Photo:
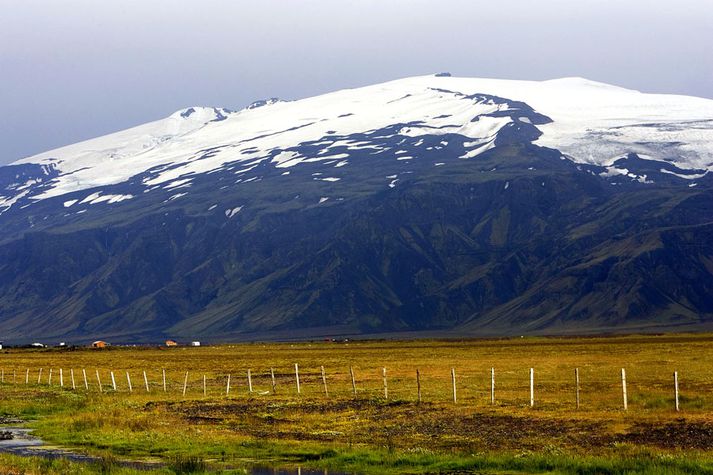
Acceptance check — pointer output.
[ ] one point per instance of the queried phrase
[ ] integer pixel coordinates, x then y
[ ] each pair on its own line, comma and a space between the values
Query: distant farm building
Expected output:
171, 343
37, 345
195, 343
100, 344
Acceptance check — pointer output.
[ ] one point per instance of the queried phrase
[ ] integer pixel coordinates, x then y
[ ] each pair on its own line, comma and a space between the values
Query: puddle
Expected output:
292, 471
19, 440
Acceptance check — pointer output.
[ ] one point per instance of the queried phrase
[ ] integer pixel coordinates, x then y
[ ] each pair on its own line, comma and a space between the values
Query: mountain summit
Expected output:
432, 203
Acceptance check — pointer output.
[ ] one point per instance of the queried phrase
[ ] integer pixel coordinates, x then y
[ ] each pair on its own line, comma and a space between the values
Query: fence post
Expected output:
386, 388
13, 376
227, 386
128, 380
250, 382
492, 386
675, 385
185, 384
576, 383
623, 388
61, 378
49, 378
532, 387
146, 381
297, 378
86, 383
27, 376
274, 383
39, 376
100, 382
351, 372
113, 381
163, 373
71, 375
418, 385
324, 382
204, 386
453, 383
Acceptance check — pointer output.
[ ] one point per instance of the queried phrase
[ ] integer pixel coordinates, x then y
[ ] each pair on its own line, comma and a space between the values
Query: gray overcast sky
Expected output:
74, 69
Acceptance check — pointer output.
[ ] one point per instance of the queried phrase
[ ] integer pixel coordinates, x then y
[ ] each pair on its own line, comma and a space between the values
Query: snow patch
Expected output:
687, 177
230, 212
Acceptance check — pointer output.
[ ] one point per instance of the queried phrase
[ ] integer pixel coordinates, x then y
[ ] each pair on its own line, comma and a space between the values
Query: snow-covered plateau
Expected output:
588, 122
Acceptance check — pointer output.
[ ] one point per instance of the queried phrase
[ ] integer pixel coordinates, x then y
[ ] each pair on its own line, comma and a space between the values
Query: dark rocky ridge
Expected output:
516, 241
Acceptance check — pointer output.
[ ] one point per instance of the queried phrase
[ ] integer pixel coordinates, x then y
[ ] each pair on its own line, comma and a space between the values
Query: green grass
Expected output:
368, 433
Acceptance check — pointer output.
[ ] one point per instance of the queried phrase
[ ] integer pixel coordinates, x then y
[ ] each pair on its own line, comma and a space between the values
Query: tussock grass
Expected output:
366, 433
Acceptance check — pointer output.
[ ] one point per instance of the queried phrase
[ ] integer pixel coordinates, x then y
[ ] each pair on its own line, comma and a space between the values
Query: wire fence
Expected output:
580, 389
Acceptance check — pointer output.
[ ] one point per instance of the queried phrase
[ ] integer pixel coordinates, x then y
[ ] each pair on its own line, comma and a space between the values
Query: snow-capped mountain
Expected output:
439, 204
589, 122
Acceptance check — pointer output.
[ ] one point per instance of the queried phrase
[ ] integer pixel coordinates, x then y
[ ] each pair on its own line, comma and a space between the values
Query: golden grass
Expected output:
167, 423
649, 361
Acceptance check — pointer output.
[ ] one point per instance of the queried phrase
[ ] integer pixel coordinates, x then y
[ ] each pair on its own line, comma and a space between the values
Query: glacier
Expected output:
588, 122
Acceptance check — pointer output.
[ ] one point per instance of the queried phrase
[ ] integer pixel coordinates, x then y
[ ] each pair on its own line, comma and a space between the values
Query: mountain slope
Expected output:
427, 204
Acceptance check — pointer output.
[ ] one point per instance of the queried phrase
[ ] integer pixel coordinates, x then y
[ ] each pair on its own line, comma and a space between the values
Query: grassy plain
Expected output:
369, 433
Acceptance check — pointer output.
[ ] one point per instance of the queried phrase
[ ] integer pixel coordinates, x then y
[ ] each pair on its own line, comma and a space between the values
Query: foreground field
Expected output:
221, 427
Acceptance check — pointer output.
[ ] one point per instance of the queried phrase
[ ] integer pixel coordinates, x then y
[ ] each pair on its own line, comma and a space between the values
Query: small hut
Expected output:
100, 344
171, 343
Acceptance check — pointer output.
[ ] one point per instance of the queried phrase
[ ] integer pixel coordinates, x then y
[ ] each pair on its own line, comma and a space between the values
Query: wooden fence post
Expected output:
128, 381
61, 378
204, 386
113, 381
418, 385
675, 388
351, 372
532, 387
86, 383
27, 376
39, 376
453, 382
227, 386
324, 382
163, 372
71, 375
250, 382
576, 383
492, 385
99, 381
274, 383
297, 378
146, 381
623, 389
386, 387
49, 378
185, 384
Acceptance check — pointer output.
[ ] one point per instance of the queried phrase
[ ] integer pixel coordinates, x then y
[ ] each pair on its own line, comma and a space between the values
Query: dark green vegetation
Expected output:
518, 241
